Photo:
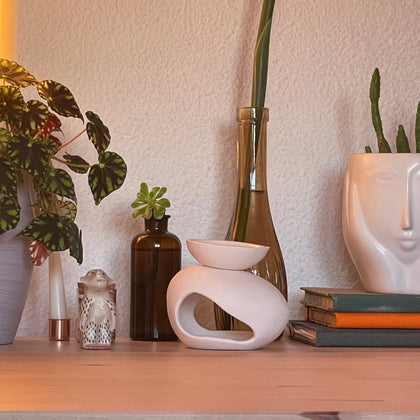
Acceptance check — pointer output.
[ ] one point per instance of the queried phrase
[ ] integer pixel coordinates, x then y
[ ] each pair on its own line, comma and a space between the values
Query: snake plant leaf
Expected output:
31, 155
402, 141
59, 182
97, 132
12, 105
56, 232
106, 176
8, 178
34, 116
59, 99
9, 213
14, 74
76, 163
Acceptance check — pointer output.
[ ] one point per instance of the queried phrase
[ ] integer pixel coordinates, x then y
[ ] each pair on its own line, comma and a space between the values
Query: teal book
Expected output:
357, 300
322, 336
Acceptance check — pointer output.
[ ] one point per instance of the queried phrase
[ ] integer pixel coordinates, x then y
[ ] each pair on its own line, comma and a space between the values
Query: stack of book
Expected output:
338, 317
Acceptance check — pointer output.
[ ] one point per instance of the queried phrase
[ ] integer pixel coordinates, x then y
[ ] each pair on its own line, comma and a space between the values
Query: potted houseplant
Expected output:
155, 259
381, 223
251, 220
33, 154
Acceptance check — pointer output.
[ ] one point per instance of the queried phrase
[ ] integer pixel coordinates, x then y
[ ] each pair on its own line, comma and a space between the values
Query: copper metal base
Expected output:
59, 329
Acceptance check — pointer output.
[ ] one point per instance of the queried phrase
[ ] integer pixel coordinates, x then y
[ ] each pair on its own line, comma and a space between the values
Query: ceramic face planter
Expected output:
381, 220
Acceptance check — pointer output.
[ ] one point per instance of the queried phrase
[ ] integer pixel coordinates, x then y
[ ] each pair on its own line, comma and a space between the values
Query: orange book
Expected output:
364, 319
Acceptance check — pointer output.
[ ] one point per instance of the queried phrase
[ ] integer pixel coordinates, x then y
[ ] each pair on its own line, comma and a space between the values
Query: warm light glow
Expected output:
7, 28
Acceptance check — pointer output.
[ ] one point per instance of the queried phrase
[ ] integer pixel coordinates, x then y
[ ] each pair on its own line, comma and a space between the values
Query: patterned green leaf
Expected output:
12, 105
57, 233
8, 179
34, 116
97, 132
9, 213
107, 176
4, 137
15, 74
67, 209
59, 99
31, 155
59, 182
73, 160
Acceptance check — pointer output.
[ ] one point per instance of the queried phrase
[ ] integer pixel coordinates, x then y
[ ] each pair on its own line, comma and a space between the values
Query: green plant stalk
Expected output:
375, 85
259, 81
417, 129
402, 141
259, 85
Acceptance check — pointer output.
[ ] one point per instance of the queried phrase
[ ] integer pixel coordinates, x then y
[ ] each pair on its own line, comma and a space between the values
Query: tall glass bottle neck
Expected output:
252, 148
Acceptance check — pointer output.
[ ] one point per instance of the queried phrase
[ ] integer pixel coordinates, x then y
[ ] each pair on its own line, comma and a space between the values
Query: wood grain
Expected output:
286, 376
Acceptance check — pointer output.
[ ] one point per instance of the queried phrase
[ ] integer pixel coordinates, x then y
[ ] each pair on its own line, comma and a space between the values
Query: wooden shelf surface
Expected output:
37, 375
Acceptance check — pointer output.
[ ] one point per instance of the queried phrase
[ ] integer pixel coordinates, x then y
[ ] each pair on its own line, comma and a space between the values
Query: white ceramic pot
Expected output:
247, 297
15, 274
381, 220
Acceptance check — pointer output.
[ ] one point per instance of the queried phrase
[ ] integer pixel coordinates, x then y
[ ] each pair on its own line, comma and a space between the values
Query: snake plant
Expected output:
32, 147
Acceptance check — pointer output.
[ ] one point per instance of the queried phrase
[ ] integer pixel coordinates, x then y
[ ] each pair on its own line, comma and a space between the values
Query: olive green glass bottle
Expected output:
155, 259
251, 220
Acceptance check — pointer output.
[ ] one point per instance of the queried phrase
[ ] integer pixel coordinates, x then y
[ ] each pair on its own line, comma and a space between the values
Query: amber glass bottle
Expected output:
155, 259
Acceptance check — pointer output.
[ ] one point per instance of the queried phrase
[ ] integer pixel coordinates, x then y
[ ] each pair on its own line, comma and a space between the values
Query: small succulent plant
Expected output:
402, 143
150, 204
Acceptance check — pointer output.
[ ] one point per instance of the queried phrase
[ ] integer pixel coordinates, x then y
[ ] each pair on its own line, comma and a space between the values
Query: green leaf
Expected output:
8, 178
9, 213
5, 137
368, 149
374, 94
67, 209
34, 117
59, 99
76, 163
12, 105
150, 204
15, 74
402, 141
261, 53
31, 155
59, 182
97, 132
106, 176
57, 233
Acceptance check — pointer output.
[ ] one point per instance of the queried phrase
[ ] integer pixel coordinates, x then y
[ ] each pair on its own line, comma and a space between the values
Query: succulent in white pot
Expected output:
381, 208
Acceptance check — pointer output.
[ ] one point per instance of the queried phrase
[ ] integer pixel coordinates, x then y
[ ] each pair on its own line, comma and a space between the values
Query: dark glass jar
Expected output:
155, 259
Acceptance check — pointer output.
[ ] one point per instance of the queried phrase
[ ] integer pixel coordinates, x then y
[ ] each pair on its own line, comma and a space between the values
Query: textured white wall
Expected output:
166, 77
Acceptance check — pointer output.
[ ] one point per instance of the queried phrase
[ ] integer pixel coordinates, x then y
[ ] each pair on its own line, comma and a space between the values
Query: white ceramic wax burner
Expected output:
221, 278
